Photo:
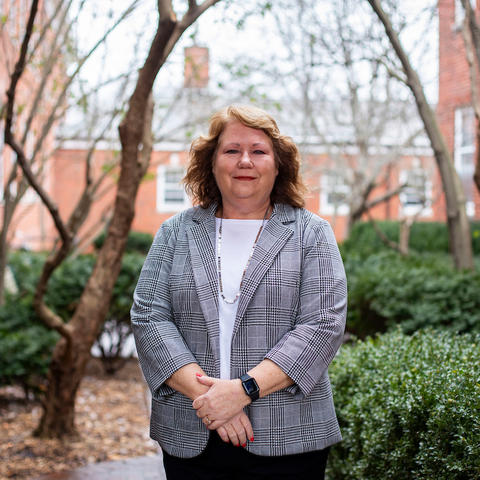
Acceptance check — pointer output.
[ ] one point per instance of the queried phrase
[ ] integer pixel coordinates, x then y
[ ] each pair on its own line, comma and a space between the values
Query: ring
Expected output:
208, 420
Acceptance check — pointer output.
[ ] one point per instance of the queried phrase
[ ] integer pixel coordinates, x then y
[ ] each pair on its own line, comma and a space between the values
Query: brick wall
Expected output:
454, 79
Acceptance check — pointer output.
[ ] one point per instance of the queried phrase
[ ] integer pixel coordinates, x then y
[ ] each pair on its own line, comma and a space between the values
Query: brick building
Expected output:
160, 195
31, 221
454, 110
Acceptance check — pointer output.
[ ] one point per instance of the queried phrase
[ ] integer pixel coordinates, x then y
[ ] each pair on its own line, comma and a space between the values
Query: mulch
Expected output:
111, 417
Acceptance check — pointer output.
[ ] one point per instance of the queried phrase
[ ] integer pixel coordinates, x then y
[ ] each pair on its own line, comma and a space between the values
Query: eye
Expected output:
231, 151
259, 152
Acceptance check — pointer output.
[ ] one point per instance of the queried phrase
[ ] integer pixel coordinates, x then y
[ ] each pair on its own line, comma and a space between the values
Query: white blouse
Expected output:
237, 241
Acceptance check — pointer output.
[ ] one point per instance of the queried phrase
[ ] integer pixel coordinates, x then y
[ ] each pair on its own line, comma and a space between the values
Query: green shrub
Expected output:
26, 344
117, 327
429, 237
386, 290
138, 242
408, 407
26, 268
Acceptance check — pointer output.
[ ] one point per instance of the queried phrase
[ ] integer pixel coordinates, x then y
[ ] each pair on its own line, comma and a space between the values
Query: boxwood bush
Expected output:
408, 407
419, 291
431, 237
138, 242
26, 344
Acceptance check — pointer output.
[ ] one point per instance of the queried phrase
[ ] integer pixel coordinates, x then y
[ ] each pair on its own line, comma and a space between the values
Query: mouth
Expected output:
244, 178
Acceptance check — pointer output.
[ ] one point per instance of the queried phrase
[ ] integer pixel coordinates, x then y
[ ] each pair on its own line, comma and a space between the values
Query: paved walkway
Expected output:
141, 468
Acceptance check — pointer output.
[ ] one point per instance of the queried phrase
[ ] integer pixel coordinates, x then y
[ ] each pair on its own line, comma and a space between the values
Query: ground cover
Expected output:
112, 418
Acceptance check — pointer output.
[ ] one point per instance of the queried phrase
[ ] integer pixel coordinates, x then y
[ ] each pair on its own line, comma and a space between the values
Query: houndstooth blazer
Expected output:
291, 310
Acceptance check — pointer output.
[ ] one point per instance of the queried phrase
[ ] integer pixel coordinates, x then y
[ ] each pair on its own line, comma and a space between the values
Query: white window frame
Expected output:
326, 207
460, 150
162, 206
409, 209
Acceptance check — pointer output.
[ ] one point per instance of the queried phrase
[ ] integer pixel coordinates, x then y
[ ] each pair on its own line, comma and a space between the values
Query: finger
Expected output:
198, 402
240, 431
207, 422
222, 432
204, 380
247, 425
232, 434
214, 425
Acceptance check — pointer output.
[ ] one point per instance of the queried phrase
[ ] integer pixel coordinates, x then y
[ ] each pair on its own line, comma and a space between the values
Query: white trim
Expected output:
311, 147
162, 205
114, 144
327, 186
410, 209
461, 150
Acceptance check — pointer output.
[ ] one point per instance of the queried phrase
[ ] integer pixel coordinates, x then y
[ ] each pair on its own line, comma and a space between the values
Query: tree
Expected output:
73, 349
458, 226
327, 80
38, 112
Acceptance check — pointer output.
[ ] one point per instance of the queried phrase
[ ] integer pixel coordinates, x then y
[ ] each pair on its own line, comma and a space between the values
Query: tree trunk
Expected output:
458, 225
65, 374
68, 365
404, 236
73, 350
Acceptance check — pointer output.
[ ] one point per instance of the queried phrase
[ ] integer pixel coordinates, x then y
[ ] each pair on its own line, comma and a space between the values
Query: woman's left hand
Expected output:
224, 399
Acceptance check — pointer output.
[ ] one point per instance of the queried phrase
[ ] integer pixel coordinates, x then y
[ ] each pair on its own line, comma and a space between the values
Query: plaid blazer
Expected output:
291, 310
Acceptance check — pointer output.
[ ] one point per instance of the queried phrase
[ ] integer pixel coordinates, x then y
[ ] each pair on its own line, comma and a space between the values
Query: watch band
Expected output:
250, 386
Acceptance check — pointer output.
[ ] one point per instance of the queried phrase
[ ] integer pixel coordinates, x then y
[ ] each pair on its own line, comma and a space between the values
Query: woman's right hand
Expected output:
237, 430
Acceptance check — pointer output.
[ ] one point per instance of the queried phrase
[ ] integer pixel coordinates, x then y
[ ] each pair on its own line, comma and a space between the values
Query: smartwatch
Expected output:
250, 386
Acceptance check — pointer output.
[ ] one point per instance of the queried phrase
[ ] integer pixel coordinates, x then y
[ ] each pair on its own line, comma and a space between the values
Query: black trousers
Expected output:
223, 461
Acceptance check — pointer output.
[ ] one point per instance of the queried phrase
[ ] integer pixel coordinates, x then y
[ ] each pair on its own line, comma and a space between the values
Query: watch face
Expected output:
250, 386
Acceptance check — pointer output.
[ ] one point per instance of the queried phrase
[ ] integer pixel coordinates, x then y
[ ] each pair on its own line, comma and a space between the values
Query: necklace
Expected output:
219, 261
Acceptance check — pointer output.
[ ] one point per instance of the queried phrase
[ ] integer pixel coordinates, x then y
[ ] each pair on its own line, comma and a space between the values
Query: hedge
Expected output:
408, 407
386, 290
138, 242
431, 237
26, 344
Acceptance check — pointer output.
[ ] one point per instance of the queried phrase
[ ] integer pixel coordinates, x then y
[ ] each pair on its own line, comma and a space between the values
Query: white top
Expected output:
237, 241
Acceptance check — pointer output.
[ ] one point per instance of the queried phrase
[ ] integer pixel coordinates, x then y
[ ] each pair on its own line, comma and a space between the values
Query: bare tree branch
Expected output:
52, 320
385, 197
459, 228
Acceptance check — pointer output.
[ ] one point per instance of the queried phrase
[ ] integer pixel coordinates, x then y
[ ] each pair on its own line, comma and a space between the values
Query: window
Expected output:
460, 12
171, 195
464, 153
334, 194
417, 195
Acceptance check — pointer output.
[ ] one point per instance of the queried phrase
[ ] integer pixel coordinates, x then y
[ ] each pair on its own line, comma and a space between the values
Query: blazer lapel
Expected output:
272, 239
201, 241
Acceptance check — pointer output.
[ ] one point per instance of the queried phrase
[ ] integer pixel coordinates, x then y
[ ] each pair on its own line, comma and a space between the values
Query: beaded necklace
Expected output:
219, 261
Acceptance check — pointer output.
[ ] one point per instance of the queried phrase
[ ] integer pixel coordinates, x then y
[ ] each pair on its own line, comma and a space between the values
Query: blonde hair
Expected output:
199, 180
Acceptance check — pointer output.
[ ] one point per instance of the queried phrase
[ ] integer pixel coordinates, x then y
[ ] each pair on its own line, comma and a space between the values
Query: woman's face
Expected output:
244, 167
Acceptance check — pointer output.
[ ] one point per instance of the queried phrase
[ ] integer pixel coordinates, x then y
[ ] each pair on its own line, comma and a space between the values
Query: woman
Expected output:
239, 309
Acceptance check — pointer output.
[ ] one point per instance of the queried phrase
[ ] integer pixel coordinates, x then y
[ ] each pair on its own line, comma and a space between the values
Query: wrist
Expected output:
250, 387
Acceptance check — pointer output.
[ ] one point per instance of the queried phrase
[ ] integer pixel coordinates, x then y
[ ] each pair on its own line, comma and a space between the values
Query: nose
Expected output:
245, 160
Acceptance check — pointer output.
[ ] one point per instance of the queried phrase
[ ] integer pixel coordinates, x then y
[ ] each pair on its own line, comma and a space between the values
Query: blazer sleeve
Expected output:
160, 346
305, 352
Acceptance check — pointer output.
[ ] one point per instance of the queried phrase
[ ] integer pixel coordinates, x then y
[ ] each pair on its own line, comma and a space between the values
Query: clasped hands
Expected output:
221, 409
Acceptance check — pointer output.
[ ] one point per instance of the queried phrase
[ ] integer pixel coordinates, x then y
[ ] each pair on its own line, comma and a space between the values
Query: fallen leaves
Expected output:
111, 416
